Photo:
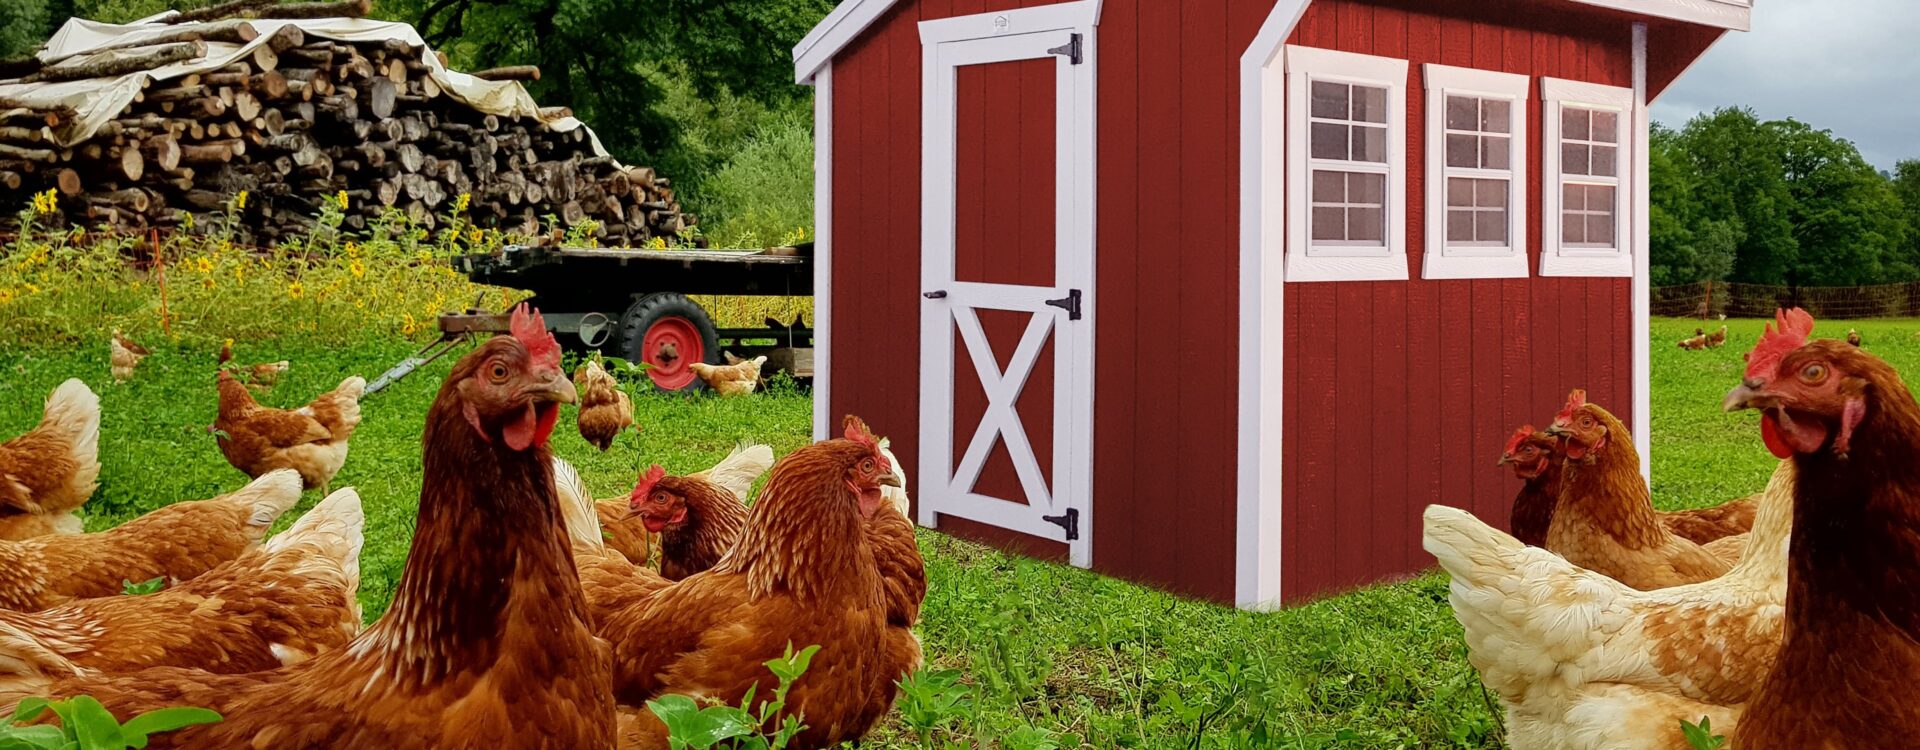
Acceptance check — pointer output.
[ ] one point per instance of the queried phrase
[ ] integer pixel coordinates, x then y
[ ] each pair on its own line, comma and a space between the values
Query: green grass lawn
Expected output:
1051, 654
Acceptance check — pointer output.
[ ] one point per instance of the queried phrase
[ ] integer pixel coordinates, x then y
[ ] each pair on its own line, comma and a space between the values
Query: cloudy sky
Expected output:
1849, 66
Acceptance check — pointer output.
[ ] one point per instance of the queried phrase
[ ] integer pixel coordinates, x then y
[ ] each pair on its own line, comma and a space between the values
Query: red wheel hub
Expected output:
672, 345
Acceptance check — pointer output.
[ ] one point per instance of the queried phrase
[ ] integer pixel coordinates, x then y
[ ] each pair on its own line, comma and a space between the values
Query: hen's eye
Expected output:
497, 372
1814, 373
867, 466
1586, 421
660, 497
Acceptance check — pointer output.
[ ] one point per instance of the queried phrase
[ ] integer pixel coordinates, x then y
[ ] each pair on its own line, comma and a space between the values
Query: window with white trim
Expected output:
1476, 174
1589, 188
1346, 166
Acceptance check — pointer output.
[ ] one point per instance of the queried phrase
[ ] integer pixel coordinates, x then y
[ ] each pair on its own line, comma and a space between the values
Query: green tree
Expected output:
618, 63
1906, 189
1736, 171
1846, 219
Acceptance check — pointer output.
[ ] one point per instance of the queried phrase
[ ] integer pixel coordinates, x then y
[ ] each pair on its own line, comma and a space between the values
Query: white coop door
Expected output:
1007, 266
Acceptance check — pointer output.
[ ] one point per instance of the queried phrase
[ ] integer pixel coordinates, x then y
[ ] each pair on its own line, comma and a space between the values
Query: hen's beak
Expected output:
1745, 395
892, 479
1504, 460
1558, 431
556, 388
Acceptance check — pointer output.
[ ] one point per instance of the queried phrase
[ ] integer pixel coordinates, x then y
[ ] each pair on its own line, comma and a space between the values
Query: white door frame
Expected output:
947, 43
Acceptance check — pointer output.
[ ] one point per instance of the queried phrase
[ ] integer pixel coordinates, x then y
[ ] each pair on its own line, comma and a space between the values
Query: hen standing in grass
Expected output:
311, 439
1604, 520
177, 542
1846, 674
486, 644
123, 356
738, 379
605, 410
805, 572
287, 601
1853, 337
49, 472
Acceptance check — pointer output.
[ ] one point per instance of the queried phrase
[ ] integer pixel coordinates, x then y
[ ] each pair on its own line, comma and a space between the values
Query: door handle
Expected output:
939, 294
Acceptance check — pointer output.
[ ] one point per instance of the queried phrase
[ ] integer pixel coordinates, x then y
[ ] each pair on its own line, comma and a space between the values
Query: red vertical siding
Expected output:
1397, 393
1407, 389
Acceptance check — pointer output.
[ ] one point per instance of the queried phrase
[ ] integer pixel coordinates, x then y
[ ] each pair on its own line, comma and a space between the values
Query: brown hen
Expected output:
49, 472
1846, 672
805, 572
738, 379
289, 600
486, 643
693, 519
605, 410
311, 439
1604, 520
123, 355
177, 542
1535, 458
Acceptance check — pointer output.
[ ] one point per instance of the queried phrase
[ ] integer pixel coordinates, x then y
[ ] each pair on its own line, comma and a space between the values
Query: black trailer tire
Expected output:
669, 324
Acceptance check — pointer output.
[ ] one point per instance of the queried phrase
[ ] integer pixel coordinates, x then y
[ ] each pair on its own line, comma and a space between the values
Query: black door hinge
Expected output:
1069, 303
1070, 50
942, 294
1069, 520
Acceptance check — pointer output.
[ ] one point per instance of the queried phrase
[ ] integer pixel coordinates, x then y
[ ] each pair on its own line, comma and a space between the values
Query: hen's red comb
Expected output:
531, 331
1575, 400
856, 430
654, 474
1794, 326
1519, 436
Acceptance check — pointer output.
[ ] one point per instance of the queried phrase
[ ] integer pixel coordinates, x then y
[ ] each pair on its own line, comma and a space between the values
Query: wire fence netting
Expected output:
1715, 299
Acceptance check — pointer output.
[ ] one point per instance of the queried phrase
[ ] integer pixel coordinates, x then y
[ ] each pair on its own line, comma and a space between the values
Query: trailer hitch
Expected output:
439, 348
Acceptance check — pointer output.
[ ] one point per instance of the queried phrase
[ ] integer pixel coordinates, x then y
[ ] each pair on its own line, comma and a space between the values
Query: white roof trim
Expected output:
1734, 15
833, 34
852, 17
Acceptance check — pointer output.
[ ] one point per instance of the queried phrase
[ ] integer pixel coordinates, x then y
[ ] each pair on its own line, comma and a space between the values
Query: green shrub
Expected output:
764, 194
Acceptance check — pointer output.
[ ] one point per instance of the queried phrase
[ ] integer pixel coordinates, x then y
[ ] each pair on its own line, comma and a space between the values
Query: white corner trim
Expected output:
1642, 262
1443, 261
833, 34
1260, 493
1621, 262
823, 252
1735, 15
1305, 263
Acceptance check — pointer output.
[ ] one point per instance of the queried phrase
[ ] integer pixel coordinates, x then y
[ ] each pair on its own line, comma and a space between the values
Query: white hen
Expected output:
1582, 661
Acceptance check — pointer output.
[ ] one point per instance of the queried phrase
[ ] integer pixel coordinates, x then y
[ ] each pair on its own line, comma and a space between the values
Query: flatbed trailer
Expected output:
634, 304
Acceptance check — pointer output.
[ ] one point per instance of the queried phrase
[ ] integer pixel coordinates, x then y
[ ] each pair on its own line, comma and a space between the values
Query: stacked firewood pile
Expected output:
302, 120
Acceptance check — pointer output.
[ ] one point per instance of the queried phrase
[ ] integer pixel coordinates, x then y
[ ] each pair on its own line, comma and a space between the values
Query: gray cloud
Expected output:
1849, 66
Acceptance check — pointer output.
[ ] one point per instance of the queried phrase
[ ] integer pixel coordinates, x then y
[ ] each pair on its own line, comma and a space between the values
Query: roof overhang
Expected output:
1732, 15
852, 17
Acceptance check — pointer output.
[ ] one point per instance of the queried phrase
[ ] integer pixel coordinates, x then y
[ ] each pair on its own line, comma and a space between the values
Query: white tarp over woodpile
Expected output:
97, 101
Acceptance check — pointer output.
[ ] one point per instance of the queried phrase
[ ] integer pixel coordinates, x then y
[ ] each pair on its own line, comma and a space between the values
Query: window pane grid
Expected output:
1589, 142
1588, 215
1478, 143
1347, 139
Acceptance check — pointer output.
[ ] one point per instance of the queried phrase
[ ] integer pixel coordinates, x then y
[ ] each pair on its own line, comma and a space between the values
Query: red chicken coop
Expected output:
1216, 295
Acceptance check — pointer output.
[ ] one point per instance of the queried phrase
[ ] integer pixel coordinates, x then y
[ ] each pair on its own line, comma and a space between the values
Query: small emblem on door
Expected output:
1001, 24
